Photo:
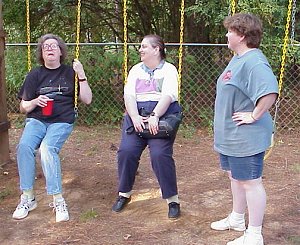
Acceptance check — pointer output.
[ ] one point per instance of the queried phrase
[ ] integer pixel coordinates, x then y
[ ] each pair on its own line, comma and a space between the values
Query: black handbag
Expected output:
168, 126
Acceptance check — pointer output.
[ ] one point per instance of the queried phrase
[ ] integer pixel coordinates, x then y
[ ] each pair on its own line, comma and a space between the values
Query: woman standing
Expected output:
152, 86
243, 126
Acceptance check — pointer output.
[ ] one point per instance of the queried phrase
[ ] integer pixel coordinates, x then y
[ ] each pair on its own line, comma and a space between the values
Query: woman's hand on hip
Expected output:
243, 118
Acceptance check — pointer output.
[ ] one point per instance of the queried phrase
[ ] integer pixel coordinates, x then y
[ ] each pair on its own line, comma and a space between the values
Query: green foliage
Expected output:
203, 19
103, 64
16, 66
187, 131
212, 13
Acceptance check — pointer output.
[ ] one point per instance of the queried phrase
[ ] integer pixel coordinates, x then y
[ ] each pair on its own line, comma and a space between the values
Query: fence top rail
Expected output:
134, 44
120, 44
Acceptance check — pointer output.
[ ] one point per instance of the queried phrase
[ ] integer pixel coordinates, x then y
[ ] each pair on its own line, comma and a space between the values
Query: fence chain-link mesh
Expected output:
202, 64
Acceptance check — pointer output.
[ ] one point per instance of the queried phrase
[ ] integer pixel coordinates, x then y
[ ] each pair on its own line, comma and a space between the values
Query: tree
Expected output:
102, 20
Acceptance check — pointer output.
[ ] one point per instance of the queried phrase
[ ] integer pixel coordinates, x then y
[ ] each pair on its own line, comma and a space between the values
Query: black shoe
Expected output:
120, 203
174, 210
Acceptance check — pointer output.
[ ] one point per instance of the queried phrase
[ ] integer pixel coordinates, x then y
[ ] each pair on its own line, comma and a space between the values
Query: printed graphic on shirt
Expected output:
52, 88
227, 76
148, 85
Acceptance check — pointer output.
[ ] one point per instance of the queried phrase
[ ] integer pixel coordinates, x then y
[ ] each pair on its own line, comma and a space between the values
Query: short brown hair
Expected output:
61, 44
246, 25
157, 41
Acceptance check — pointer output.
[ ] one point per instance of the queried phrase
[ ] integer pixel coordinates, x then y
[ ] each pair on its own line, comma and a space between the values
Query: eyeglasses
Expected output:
52, 46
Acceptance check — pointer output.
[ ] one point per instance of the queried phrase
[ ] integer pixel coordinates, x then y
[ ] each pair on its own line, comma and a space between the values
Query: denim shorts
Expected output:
243, 168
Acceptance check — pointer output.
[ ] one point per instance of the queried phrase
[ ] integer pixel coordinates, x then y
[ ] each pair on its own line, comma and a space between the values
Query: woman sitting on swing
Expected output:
55, 81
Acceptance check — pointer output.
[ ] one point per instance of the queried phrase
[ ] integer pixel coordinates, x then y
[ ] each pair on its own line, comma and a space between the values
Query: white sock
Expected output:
254, 229
125, 194
57, 196
29, 193
173, 199
237, 217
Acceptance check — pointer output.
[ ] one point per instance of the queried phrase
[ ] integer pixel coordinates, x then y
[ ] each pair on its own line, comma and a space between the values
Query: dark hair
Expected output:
246, 25
157, 41
61, 44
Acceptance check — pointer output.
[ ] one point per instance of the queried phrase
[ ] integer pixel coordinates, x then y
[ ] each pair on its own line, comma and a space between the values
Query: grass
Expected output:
4, 193
88, 215
296, 167
294, 239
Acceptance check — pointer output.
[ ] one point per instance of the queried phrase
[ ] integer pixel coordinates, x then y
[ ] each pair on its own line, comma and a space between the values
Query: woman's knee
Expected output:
47, 149
249, 184
160, 153
126, 152
24, 147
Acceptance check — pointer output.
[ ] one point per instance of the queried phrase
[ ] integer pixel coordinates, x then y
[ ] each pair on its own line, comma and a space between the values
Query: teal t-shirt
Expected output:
246, 79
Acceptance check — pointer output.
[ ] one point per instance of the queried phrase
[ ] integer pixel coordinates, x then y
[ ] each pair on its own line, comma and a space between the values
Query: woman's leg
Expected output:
161, 153
256, 201
129, 153
33, 133
239, 202
57, 134
31, 138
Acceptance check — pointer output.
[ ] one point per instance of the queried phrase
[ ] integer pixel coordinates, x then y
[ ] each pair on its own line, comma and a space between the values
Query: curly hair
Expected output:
246, 25
62, 45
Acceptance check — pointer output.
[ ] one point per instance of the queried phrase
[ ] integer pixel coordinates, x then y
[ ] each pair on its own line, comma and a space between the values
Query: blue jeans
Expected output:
243, 168
49, 137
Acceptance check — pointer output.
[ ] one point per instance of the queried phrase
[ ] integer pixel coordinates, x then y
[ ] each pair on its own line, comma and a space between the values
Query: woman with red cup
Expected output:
48, 128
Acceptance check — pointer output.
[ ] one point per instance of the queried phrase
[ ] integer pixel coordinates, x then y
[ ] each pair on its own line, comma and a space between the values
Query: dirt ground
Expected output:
90, 188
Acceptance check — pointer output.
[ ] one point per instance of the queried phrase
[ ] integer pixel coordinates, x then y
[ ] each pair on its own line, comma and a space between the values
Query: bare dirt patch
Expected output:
90, 188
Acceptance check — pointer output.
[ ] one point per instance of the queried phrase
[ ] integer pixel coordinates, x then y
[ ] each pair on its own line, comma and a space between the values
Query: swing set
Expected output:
4, 124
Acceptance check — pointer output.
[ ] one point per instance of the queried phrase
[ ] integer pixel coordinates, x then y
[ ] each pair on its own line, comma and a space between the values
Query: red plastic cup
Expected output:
48, 109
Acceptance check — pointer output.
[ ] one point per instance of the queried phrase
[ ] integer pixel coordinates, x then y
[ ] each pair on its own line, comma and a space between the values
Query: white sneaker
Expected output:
248, 239
61, 210
228, 224
24, 207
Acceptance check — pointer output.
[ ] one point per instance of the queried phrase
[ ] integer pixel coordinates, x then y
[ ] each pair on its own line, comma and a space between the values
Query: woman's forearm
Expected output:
85, 94
263, 105
131, 105
162, 105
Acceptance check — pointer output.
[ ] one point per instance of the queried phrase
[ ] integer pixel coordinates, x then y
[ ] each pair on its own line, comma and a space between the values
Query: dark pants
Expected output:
161, 154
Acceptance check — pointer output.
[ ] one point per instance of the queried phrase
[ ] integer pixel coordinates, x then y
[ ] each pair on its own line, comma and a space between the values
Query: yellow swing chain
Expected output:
28, 35
284, 48
232, 7
125, 45
281, 75
77, 56
180, 48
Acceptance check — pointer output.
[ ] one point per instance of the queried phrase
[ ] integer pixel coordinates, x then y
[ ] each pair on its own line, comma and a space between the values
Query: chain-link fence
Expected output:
202, 64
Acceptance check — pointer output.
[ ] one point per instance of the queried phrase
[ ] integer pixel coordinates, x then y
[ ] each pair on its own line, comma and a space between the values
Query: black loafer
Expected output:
174, 210
120, 203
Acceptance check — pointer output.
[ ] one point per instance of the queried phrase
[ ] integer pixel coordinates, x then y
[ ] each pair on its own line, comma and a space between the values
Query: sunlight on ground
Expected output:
68, 177
147, 194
